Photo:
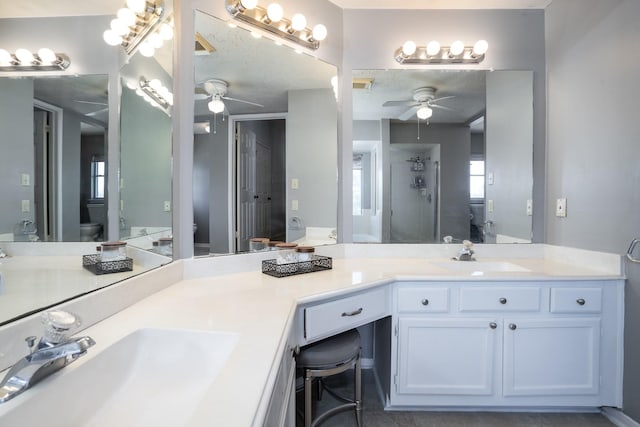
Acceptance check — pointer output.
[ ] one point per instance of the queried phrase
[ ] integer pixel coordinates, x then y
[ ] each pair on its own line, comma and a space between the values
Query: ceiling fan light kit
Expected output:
272, 20
434, 53
421, 105
24, 60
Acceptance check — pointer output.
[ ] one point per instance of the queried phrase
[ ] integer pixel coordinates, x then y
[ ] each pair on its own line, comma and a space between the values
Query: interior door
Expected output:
246, 187
262, 195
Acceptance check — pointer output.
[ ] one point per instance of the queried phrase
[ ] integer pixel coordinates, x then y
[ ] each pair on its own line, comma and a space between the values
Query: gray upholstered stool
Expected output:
328, 357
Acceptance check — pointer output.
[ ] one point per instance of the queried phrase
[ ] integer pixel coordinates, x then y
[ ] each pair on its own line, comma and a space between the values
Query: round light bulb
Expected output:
298, 22
249, 4
457, 47
424, 113
409, 48
127, 16
5, 57
155, 40
275, 12
216, 106
139, 92
480, 48
137, 6
162, 90
146, 49
319, 32
166, 31
433, 48
169, 98
111, 38
24, 56
119, 27
47, 56
155, 84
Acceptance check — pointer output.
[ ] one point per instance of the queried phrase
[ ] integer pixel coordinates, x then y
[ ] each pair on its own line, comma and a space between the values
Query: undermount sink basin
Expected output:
152, 377
481, 266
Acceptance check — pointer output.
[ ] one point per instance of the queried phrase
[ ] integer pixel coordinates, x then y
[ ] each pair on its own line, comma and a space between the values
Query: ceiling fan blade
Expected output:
90, 102
201, 96
407, 114
242, 100
407, 103
443, 98
96, 113
441, 107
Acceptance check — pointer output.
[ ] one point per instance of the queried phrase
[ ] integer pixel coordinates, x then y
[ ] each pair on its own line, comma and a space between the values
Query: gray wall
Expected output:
508, 148
70, 185
145, 162
593, 148
312, 157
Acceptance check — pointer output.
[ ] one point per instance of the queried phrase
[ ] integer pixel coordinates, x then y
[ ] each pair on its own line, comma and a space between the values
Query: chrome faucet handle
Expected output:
31, 342
58, 325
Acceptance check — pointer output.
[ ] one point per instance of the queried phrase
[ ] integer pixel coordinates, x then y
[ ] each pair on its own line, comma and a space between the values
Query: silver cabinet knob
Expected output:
425, 302
493, 325
503, 300
512, 326
580, 301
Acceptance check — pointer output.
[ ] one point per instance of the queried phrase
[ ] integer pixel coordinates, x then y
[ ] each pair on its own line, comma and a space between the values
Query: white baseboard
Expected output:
619, 418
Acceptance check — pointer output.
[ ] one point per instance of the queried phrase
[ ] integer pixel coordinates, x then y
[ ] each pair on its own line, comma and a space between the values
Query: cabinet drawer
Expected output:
423, 299
576, 300
337, 316
499, 299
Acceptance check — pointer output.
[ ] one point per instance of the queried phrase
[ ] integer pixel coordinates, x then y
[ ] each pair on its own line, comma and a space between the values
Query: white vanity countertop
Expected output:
260, 308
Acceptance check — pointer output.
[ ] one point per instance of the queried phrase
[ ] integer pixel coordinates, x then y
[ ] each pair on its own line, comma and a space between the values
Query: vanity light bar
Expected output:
294, 30
156, 94
24, 60
433, 53
134, 24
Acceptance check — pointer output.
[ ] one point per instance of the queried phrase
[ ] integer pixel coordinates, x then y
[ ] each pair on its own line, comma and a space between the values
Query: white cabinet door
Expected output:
447, 356
551, 356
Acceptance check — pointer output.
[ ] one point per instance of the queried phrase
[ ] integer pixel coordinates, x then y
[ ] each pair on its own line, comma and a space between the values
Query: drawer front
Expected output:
423, 299
341, 315
499, 299
576, 300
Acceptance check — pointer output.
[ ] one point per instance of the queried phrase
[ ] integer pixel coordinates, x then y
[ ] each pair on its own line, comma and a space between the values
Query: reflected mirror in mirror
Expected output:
265, 161
58, 197
463, 169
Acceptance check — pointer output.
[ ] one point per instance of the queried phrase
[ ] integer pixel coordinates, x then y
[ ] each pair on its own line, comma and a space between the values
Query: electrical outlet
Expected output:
529, 207
26, 206
561, 208
167, 206
294, 205
490, 178
489, 205
295, 184
25, 179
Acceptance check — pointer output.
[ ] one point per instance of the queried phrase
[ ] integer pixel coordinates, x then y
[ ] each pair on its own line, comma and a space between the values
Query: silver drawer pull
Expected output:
352, 313
581, 301
503, 300
512, 326
425, 302
493, 325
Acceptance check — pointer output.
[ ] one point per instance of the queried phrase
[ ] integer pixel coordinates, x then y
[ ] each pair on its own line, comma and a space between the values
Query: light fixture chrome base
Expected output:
282, 29
61, 63
151, 19
443, 57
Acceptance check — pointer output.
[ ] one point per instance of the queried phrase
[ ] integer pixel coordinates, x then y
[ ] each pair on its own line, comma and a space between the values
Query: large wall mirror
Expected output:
56, 154
265, 165
464, 169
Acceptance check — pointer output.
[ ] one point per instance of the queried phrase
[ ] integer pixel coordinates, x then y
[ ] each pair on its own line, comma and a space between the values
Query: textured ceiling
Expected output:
442, 4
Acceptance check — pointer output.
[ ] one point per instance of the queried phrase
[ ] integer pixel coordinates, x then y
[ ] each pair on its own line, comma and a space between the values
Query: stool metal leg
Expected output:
308, 385
358, 392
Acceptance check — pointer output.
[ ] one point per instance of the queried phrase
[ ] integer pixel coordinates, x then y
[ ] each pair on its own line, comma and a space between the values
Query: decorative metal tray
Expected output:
94, 264
317, 263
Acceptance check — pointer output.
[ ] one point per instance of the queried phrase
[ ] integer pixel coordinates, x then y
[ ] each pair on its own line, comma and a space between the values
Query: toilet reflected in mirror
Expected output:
93, 231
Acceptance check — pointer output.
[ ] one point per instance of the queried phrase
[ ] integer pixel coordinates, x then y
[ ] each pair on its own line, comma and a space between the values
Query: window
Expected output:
97, 178
476, 179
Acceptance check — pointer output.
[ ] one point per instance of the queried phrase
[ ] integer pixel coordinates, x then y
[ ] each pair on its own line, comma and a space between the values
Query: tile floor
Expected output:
376, 416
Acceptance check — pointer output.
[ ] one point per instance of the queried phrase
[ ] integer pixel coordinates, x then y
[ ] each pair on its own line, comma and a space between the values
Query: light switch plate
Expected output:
294, 205
489, 205
490, 178
561, 208
529, 207
25, 179
26, 206
295, 183
167, 206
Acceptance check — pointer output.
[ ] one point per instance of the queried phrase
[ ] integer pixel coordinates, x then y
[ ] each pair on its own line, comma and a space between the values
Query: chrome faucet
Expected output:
466, 253
54, 351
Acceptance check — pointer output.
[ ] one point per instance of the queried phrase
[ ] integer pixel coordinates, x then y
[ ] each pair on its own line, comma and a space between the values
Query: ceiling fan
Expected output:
95, 112
216, 91
422, 104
